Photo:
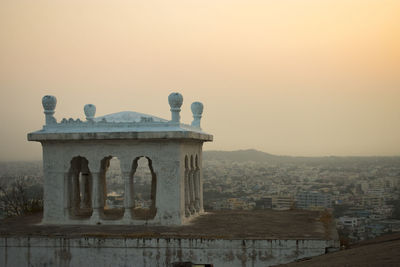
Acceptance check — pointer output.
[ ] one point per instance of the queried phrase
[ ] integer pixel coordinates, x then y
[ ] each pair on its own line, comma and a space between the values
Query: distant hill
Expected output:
240, 155
259, 156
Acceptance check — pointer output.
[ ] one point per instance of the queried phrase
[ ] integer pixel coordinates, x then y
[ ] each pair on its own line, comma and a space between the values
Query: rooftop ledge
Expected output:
119, 135
125, 125
253, 225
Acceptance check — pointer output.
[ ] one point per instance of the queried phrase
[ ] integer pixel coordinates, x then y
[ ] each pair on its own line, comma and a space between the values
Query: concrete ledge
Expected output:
227, 238
96, 251
268, 224
45, 136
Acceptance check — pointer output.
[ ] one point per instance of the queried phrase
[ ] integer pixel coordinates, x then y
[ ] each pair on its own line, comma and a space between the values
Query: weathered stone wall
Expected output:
167, 160
151, 252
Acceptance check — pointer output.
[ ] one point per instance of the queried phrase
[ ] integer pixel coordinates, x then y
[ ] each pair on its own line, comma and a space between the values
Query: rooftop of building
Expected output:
265, 224
381, 251
120, 125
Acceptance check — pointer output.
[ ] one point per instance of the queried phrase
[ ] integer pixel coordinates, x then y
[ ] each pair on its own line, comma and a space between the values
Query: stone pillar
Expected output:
153, 191
97, 204
128, 195
191, 192
105, 164
76, 193
169, 200
187, 190
200, 174
196, 178
200, 181
97, 200
103, 188
68, 194
86, 191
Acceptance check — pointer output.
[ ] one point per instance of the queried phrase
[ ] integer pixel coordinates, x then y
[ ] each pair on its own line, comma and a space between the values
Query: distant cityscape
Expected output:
362, 193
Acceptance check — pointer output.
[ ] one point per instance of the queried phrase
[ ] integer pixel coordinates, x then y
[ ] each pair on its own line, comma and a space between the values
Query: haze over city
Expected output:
307, 77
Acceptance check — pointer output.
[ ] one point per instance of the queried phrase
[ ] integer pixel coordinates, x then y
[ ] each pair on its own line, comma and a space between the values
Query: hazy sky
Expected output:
294, 77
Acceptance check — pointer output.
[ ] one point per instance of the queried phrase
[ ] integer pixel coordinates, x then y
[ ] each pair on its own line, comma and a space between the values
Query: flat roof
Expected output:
381, 251
122, 135
265, 224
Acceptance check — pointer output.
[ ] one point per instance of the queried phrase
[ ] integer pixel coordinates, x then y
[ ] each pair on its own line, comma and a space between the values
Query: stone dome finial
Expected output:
175, 101
90, 111
49, 103
197, 110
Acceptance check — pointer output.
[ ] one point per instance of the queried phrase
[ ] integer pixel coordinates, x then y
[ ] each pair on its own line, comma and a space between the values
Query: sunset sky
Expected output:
289, 77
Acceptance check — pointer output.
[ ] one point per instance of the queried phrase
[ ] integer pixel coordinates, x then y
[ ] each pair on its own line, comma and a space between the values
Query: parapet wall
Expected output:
97, 251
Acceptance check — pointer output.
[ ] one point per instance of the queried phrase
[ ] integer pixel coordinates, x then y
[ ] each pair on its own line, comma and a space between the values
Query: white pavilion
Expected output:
77, 155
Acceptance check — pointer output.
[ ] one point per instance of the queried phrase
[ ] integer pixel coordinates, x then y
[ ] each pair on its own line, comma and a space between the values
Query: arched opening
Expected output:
111, 188
80, 188
144, 192
114, 185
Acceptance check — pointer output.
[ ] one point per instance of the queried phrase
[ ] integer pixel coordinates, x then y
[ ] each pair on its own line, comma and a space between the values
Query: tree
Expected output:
19, 199
340, 210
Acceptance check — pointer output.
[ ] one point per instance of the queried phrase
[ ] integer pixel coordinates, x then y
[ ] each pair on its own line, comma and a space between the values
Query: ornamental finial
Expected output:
90, 111
49, 103
197, 110
175, 101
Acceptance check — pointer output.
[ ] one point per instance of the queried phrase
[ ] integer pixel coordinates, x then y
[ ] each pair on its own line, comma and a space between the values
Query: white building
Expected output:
77, 157
77, 154
349, 221
311, 200
282, 202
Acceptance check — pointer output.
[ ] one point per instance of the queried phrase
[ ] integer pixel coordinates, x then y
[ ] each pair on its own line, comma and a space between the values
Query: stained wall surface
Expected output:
96, 251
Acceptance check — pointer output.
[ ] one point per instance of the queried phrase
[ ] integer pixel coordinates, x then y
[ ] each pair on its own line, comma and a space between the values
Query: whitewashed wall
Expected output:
167, 161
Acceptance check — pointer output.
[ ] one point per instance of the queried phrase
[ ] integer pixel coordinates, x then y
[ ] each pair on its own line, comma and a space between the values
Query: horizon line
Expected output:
256, 150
